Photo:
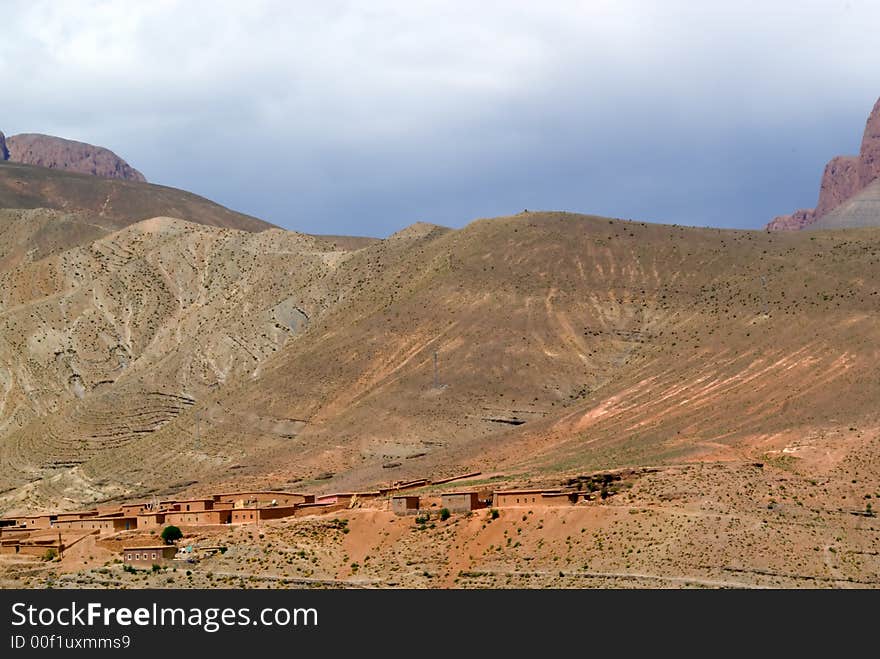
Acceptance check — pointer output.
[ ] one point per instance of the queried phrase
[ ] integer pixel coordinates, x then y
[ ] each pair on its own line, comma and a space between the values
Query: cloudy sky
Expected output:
363, 117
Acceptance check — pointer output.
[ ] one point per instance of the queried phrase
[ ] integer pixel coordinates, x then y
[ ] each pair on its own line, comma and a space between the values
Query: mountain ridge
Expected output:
614, 342
843, 178
68, 155
111, 200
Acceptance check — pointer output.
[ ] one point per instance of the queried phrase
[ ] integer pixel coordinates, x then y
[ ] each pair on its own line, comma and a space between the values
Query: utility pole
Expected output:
60, 546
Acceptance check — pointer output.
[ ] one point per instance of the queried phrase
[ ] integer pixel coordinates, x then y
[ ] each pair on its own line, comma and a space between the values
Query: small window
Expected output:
137, 557
154, 554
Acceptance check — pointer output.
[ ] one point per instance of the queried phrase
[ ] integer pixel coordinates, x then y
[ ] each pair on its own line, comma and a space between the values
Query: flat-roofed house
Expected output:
108, 508
148, 556
37, 521
76, 516
460, 502
9, 545
151, 520
536, 497
560, 498
133, 509
336, 497
195, 505
108, 523
199, 517
254, 514
40, 545
405, 504
264, 498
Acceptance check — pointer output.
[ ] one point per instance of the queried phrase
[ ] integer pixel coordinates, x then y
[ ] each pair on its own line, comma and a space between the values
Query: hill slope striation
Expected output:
168, 355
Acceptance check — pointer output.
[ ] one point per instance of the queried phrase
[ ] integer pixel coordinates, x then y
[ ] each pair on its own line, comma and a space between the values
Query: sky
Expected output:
363, 117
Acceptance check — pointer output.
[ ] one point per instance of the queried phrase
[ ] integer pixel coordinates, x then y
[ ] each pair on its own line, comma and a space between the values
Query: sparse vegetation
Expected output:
636, 344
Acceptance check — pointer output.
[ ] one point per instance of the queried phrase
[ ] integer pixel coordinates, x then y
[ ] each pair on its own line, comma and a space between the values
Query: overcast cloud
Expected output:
361, 118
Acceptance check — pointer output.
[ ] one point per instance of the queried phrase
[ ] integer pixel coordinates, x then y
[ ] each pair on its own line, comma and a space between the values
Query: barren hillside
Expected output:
111, 201
169, 356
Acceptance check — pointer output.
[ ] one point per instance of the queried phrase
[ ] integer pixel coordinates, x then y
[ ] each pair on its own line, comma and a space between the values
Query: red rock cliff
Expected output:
844, 177
58, 153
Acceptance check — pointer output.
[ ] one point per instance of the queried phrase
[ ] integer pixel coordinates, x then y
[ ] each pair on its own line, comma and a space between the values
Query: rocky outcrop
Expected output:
840, 181
78, 157
4, 151
797, 220
861, 210
869, 156
844, 177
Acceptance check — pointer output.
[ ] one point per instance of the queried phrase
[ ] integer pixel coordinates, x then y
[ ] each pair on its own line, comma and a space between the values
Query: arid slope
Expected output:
112, 201
170, 356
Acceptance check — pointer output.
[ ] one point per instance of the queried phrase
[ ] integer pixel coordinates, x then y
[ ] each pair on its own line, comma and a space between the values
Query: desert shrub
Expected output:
445, 514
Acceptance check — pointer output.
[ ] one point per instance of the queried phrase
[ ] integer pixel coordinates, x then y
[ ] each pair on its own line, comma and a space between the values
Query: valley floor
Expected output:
715, 525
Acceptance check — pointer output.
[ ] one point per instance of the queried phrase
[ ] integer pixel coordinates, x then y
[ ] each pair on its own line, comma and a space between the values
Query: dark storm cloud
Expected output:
363, 118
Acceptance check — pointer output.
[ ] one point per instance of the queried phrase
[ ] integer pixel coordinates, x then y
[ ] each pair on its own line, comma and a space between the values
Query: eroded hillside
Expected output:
169, 356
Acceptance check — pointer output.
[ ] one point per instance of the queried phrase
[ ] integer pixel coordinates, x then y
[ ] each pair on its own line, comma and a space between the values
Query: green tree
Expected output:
171, 534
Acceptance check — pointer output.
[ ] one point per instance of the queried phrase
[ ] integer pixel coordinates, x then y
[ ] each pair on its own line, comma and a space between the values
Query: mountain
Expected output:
111, 202
169, 355
844, 177
726, 378
68, 155
860, 210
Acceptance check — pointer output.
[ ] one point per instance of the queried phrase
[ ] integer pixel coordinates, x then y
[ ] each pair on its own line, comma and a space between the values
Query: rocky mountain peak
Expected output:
78, 157
843, 178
